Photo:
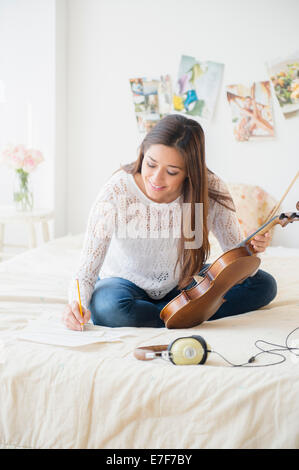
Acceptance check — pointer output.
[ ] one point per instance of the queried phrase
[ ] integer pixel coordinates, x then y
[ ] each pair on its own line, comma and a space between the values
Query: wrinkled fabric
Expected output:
101, 396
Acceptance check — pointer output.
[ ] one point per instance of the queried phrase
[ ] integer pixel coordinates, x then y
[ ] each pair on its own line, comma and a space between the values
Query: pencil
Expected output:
82, 324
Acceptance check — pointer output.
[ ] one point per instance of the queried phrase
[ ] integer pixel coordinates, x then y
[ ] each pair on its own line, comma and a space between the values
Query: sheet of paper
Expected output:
56, 333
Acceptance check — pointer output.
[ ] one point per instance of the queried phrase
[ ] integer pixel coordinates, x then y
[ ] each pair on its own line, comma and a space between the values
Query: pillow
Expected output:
253, 205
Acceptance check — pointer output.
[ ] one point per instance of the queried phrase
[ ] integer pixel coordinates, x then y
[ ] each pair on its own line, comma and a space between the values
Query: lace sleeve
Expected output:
97, 239
225, 223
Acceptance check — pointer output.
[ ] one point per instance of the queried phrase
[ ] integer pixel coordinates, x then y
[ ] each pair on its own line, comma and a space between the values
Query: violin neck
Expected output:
263, 229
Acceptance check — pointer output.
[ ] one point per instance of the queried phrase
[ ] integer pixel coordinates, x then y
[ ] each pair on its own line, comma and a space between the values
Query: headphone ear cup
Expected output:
188, 350
205, 346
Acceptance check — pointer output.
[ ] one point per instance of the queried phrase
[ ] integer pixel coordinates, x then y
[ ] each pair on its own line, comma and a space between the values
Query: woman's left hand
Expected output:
260, 242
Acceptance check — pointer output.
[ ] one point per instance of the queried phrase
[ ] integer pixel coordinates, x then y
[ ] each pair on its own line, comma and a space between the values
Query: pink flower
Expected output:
6, 154
13, 156
29, 164
18, 157
32, 159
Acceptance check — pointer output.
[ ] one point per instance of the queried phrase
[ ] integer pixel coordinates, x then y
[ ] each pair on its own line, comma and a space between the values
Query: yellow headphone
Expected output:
182, 351
189, 350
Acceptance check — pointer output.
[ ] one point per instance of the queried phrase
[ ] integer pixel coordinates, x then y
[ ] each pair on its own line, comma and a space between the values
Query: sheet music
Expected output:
56, 333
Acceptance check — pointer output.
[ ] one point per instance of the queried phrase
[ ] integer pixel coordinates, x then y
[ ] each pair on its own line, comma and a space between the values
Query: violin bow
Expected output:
276, 207
272, 219
266, 226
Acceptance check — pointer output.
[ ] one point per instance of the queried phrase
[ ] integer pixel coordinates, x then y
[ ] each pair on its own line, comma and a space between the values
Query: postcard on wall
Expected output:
284, 74
165, 95
197, 87
251, 109
152, 100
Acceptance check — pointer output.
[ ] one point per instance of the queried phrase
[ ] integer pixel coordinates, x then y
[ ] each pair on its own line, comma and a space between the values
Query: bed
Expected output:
101, 396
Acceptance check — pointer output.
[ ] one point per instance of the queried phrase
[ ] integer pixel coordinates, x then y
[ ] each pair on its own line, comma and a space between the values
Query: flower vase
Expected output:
23, 194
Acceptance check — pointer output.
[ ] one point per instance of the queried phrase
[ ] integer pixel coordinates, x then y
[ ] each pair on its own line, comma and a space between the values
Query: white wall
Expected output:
61, 136
27, 67
76, 57
110, 41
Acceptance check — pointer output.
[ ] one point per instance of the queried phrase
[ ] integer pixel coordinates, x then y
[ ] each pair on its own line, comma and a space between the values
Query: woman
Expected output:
137, 256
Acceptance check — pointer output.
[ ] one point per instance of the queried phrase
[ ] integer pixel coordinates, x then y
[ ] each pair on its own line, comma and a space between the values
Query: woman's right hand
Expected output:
71, 316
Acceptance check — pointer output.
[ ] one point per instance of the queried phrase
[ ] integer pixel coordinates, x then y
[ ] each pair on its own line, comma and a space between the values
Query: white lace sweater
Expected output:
112, 249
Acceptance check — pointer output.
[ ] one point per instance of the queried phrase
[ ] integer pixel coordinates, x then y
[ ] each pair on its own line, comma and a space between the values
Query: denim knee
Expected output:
270, 286
108, 297
267, 286
114, 304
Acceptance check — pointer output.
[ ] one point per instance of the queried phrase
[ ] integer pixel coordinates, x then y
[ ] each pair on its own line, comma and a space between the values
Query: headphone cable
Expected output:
262, 351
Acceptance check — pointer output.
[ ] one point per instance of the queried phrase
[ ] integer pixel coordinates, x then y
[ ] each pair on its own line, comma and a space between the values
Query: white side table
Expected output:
9, 214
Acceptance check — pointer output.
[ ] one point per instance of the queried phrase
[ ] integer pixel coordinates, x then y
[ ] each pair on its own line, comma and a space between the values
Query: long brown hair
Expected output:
187, 136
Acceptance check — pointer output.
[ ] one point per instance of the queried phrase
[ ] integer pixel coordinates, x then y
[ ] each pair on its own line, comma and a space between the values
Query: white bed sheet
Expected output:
100, 396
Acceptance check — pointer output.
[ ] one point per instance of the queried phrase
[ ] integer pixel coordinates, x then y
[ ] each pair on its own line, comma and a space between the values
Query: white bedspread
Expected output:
100, 396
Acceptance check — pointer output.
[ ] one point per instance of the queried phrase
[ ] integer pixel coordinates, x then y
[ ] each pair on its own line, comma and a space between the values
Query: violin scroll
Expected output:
288, 217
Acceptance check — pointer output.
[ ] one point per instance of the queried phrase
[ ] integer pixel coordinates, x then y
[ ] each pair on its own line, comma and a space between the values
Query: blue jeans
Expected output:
118, 302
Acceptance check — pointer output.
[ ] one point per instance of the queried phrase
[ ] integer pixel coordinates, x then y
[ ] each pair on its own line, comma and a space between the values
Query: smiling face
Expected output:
162, 173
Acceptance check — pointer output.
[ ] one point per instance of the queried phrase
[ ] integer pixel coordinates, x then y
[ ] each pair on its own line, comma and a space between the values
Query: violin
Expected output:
197, 304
